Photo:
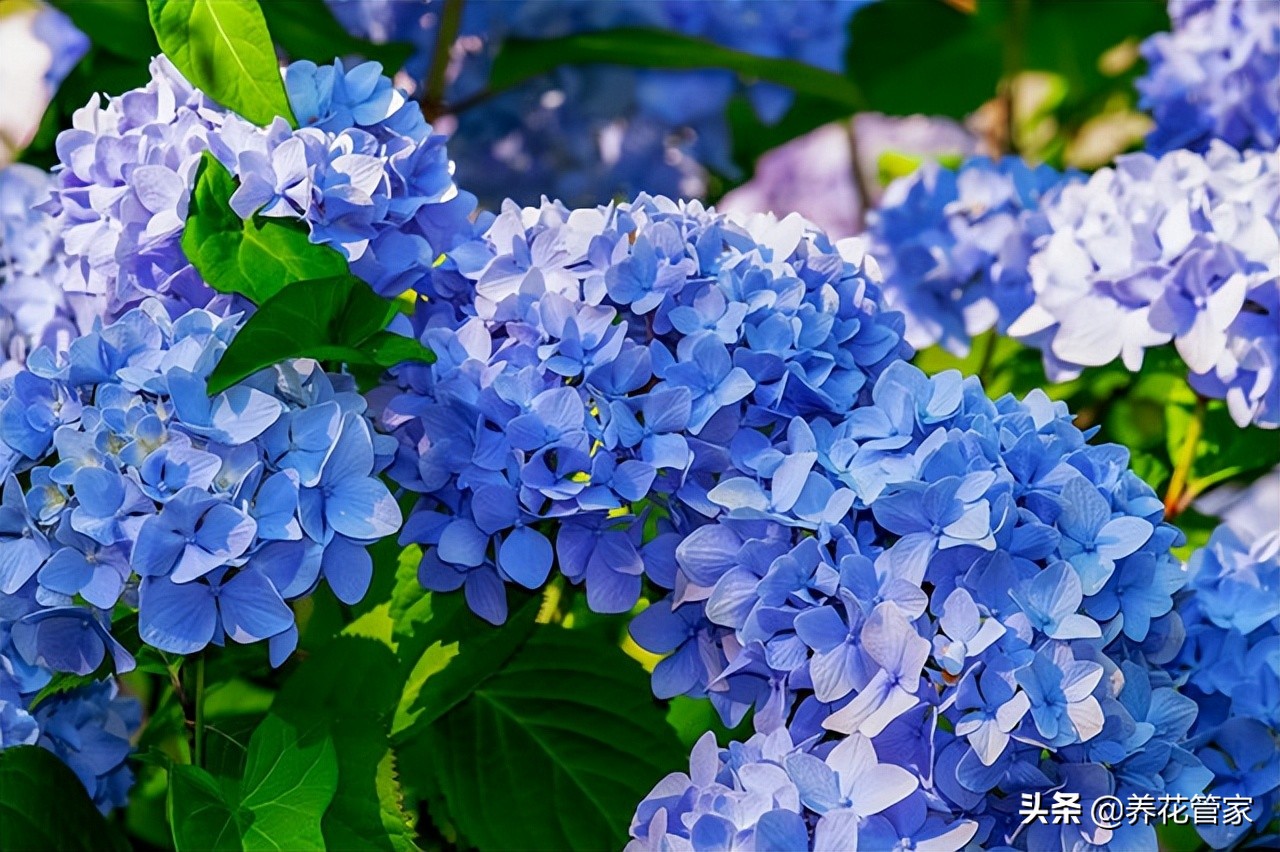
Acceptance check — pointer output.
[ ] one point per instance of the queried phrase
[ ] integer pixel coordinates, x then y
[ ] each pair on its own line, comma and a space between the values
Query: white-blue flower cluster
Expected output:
1182, 248
598, 366
1214, 76
981, 609
364, 171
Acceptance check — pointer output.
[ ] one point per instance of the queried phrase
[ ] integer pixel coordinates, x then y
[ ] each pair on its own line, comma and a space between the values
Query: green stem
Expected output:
434, 85
859, 180
988, 354
198, 698
1174, 501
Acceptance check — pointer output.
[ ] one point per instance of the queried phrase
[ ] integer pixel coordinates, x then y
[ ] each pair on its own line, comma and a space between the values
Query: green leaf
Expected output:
562, 741
335, 319
223, 47
44, 806
200, 813
522, 59
257, 257
368, 809
289, 780
453, 651
307, 29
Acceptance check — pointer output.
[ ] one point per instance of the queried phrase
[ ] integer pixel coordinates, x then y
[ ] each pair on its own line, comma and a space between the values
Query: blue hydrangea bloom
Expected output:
954, 246
590, 134
89, 727
126, 483
1184, 248
1214, 76
365, 173
1230, 611
965, 588
598, 367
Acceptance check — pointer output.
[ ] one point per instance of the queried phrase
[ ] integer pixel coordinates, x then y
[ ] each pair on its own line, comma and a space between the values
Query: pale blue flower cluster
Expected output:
364, 171
1214, 76
954, 246
590, 134
126, 483
34, 310
89, 727
1231, 659
1182, 248
598, 368
966, 589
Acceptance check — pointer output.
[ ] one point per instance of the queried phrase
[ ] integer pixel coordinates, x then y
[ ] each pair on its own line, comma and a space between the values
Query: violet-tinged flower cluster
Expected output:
89, 727
954, 246
597, 368
1183, 248
34, 311
591, 134
958, 598
1214, 76
1231, 659
364, 171
126, 483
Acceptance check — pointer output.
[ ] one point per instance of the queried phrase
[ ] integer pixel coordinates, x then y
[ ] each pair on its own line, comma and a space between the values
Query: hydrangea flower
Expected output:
954, 246
598, 367
90, 728
1184, 248
966, 589
1214, 77
1231, 615
126, 483
590, 134
34, 310
365, 173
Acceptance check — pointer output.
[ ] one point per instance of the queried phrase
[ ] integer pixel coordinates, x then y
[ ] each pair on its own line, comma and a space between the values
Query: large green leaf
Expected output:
330, 319
255, 257
554, 749
44, 806
201, 813
368, 809
522, 59
289, 780
223, 47
453, 651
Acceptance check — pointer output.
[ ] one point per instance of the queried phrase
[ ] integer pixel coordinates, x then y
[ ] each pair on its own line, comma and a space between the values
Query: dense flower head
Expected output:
34, 310
126, 483
1182, 248
590, 134
364, 171
597, 368
1231, 660
968, 587
89, 727
1214, 76
954, 246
